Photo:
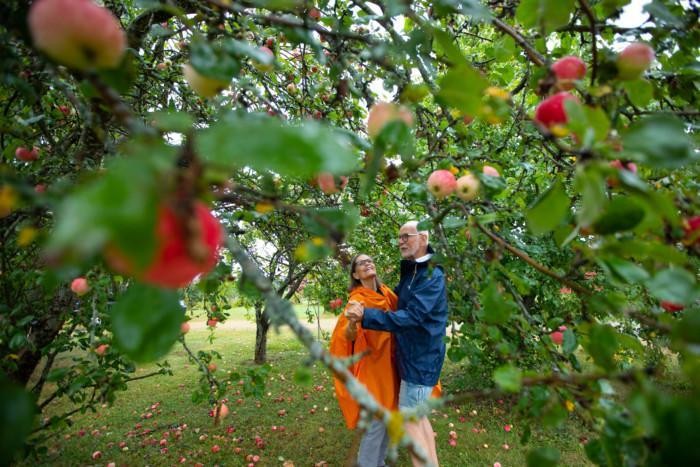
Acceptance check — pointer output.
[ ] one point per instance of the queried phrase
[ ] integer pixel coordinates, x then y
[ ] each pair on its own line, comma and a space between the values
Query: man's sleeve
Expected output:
426, 297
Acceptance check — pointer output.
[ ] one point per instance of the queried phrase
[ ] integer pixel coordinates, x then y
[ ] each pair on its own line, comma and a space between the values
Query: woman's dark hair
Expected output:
355, 282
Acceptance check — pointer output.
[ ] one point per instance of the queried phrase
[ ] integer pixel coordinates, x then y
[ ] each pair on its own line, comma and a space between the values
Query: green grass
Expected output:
308, 438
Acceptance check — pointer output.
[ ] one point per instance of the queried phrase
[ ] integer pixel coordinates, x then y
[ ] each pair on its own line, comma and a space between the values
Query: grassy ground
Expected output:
313, 431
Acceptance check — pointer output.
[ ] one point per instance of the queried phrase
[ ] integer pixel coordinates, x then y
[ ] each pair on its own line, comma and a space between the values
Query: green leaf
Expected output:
119, 207
570, 342
462, 88
660, 141
324, 222
179, 122
590, 184
146, 322
589, 124
622, 213
213, 60
602, 345
675, 285
662, 14
449, 47
545, 14
508, 377
263, 143
639, 91
549, 210
625, 271
17, 410
471, 8
543, 457
497, 307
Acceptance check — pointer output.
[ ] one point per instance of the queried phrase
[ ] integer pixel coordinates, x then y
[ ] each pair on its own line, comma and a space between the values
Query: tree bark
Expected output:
262, 325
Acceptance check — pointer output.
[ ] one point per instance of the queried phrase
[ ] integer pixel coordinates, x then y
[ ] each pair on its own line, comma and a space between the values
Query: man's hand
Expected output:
354, 311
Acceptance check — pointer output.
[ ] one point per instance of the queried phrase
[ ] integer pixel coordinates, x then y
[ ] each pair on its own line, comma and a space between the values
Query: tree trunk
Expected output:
262, 325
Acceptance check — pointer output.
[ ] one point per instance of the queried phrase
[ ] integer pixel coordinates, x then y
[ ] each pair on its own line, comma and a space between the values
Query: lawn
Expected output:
309, 432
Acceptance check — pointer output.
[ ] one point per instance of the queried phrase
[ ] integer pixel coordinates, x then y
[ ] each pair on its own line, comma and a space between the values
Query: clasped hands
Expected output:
354, 311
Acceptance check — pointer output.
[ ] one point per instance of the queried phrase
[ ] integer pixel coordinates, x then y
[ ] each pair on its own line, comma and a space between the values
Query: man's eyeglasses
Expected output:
404, 237
364, 262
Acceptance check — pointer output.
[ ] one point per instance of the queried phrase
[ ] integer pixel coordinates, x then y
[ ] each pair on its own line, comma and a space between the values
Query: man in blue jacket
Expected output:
419, 326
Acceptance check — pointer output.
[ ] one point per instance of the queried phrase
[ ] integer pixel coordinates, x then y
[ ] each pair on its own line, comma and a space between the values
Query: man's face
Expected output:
411, 244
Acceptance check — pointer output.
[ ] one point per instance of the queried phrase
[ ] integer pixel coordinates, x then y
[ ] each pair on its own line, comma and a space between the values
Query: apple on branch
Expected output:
203, 85
26, 154
550, 113
567, 70
634, 60
441, 183
467, 187
80, 286
185, 248
77, 33
382, 113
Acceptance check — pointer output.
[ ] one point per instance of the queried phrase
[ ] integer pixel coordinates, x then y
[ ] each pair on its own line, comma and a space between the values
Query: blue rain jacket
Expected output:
419, 323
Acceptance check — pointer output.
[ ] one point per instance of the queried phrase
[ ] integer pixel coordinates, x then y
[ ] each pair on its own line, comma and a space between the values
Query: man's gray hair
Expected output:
414, 224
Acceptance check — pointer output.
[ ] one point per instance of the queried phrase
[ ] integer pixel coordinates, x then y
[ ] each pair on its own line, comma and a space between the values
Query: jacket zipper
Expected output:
415, 270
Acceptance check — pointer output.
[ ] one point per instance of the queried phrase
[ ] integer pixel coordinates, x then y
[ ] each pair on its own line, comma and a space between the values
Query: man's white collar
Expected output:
424, 258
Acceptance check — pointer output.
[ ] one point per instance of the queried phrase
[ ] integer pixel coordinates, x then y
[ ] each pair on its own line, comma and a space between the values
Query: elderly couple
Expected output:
402, 333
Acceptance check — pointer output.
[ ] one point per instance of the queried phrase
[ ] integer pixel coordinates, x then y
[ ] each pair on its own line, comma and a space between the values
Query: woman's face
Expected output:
364, 268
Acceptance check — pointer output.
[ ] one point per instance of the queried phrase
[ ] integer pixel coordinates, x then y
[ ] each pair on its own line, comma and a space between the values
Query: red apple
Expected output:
77, 33
671, 307
80, 286
467, 187
174, 264
40, 188
203, 85
96, 455
382, 113
26, 154
490, 171
314, 14
215, 448
551, 111
185, 327
211, 367
634, 60
441, 183
691, 227
326, 182
223, 411
557, 337
567, 70
212, 322
101, 349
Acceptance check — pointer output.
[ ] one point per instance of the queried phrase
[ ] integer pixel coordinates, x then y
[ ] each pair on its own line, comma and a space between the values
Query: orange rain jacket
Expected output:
376, 370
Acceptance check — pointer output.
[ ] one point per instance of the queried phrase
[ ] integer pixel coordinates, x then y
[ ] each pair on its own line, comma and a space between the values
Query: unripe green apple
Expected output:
467, 187
77, 33
203, 85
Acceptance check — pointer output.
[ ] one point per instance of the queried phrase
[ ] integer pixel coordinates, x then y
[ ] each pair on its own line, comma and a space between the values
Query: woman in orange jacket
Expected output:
376, 369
